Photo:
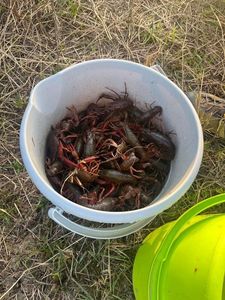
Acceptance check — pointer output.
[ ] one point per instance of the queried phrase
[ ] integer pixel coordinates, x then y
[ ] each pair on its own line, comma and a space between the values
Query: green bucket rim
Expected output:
166, 244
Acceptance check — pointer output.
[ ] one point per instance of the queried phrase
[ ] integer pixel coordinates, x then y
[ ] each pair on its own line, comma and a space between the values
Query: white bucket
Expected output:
81, 84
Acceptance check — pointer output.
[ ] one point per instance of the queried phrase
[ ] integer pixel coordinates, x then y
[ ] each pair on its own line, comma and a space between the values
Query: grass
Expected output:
39, 260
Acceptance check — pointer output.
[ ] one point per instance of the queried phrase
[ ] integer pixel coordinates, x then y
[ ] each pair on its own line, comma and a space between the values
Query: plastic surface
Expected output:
47, 105
116, 231
183, 260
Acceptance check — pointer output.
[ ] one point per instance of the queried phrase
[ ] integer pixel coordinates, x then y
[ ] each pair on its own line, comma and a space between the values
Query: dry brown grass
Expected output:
38, 260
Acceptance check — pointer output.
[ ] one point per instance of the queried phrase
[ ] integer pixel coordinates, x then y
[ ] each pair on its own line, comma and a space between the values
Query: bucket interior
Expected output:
83, 83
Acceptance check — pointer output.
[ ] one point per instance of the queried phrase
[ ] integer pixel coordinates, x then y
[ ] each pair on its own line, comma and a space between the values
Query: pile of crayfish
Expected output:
112, 156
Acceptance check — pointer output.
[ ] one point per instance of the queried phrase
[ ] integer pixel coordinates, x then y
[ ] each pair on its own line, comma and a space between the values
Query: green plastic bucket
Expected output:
185, 259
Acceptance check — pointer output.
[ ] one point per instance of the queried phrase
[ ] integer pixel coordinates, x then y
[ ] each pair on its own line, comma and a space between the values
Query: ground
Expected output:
39, 260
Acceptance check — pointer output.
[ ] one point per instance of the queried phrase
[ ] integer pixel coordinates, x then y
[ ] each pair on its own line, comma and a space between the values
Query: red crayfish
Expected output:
112, 156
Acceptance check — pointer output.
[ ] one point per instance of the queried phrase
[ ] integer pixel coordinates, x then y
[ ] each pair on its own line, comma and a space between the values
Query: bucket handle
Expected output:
117, 231
169, 239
